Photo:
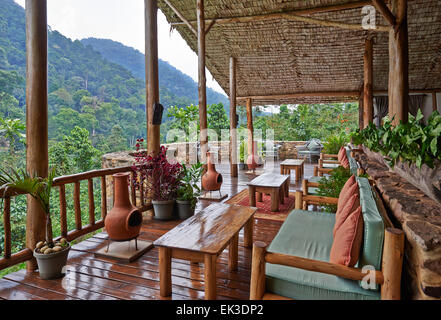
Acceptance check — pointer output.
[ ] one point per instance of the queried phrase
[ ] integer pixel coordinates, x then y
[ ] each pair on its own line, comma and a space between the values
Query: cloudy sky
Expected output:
122, 21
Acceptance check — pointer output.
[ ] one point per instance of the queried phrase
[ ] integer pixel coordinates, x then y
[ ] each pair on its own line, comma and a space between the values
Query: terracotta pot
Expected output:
252, 161
124, 221
211, 180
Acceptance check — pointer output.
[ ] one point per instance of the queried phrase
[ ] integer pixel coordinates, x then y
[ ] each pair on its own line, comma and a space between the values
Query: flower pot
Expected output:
163, 209
184, 209
243, 166
50, 266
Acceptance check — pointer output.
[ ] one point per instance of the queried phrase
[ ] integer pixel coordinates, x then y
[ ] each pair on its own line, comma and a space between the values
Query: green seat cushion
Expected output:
330, 165
308, 234
314, 179
313, 190
373, 237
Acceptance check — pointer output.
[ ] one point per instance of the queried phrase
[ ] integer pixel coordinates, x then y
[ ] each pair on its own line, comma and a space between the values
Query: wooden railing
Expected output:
10, 259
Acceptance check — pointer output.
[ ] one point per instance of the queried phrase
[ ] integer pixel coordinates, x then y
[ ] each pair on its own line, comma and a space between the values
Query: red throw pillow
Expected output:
340, 153
349, 206
344, 162
348, 240
347, 190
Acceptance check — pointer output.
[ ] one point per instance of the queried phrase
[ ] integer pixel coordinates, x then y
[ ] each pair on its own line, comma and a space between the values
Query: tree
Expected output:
117, 141
217, 118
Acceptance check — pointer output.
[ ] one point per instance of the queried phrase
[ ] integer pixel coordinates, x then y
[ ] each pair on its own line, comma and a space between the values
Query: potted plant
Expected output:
162, 179
51, 255
189, 190
242, 164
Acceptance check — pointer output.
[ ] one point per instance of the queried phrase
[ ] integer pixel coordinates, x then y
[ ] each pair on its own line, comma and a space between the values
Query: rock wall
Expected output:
420, 218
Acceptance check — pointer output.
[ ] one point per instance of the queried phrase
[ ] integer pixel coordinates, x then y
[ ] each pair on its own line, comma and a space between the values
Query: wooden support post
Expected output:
36, 115
233, 124
202, 84
392, 264
382, 7
151, 73
434, 101
399, 64
368, 100
249, 108
257, 284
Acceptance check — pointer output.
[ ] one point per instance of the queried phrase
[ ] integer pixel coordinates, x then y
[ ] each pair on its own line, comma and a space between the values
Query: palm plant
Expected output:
39, 188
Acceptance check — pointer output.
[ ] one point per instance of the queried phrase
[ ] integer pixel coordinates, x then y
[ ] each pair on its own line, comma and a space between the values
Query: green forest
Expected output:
96, 102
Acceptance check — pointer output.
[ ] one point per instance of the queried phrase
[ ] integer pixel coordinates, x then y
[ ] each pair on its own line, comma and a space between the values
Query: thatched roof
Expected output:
280, 56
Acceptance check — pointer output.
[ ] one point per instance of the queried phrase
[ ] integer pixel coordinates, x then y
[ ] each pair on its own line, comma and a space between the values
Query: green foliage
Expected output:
184, 119
189, 189
331, 186
413, 141
335, 142
217, 118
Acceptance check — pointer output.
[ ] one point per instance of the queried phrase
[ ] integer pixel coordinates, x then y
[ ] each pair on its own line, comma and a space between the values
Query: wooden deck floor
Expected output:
94, 278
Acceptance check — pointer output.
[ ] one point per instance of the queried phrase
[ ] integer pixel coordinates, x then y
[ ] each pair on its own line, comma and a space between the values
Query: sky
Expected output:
122, 21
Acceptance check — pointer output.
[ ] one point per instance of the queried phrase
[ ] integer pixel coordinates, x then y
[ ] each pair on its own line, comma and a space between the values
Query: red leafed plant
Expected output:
161, 177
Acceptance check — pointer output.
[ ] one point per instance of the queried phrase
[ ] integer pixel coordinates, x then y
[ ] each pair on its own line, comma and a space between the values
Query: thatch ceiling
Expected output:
279, 56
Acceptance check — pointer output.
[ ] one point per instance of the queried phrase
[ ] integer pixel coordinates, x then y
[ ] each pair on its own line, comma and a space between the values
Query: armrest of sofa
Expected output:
301, 199
328, 156
261, 256
319, 171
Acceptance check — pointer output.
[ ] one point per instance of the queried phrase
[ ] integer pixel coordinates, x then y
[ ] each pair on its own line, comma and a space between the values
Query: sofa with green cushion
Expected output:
309, 234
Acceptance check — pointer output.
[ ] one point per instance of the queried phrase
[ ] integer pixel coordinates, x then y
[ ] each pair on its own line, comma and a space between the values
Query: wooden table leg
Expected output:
275, 200
282, 194
259, 196
248, 233
233, 253
165, 284
297, 173
210, 276
282, 169
252, 195
287, 188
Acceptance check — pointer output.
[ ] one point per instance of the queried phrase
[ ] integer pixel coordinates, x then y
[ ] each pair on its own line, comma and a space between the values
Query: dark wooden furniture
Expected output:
293, 164
277, 186
202, 238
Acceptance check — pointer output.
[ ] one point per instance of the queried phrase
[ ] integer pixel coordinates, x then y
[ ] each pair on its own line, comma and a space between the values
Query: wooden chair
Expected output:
389, 277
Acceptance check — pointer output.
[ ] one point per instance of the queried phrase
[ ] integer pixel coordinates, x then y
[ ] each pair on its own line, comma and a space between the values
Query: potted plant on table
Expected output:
51, 255
189, 190
162, 179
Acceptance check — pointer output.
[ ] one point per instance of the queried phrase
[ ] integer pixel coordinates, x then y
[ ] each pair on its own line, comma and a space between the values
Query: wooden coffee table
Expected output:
202, 238
293, 164
276, 185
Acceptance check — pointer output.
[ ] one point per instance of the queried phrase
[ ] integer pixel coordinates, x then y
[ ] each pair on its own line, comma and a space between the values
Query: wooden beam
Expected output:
354, 94
184, 20
360, 112
434, 102
202, 80
249, 107
277, 15
151, 69
36, 115
368, 100
233, 133
212, 23
399, 64
382, 7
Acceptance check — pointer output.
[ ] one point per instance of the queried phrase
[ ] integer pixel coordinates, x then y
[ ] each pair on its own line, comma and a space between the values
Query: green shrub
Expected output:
335, 142
331, 186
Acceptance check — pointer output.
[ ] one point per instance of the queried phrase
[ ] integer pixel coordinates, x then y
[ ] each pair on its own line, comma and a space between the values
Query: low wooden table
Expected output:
293, 164
202, 238
277, 186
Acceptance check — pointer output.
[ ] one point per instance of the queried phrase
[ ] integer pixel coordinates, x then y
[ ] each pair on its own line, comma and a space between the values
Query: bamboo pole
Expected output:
360, 112
233, 124
368, 100
392, 264
202, 81
151, 68
184, 20
382, 7
434, 102
399, 64
36, 115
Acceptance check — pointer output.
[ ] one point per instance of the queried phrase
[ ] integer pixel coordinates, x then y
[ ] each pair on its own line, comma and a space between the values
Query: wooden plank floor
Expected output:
94, 278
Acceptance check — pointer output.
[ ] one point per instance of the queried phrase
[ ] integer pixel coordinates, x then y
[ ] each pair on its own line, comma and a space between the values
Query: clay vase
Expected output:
253, 158
124, 221
211, 180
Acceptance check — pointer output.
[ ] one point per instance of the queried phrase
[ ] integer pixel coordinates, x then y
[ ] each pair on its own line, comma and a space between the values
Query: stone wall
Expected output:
420, 218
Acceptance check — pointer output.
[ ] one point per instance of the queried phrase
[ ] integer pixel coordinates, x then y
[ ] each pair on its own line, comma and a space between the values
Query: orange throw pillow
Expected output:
340, 153
344, 161
347, 191
348, 240
349, 206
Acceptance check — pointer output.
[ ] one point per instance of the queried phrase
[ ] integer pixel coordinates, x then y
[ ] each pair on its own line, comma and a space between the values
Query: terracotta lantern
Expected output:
253, 158
124, 221
211, 180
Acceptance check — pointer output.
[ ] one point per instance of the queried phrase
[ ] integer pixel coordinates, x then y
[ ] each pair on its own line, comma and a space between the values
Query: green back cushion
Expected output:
372, 250
352, 162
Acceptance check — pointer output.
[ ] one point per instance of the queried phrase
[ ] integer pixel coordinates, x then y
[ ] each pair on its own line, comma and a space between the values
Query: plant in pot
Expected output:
189, 190
161, 179
242, 151
51, 255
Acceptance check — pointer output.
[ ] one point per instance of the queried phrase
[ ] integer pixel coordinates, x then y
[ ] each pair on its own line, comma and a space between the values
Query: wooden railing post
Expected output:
36, 115
392, 264
257, 284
